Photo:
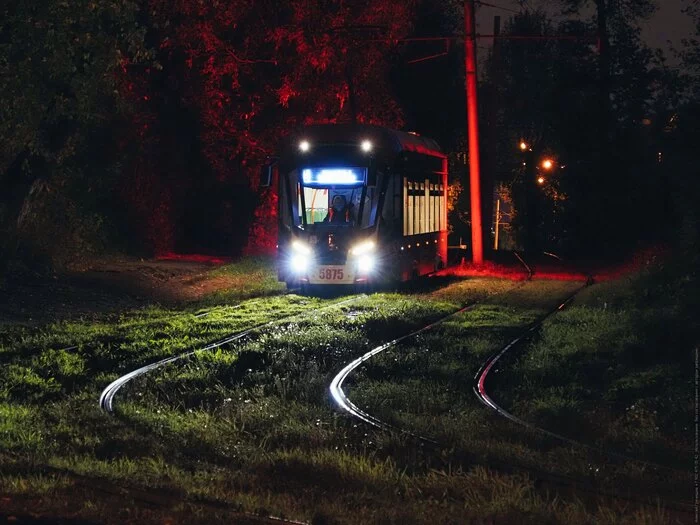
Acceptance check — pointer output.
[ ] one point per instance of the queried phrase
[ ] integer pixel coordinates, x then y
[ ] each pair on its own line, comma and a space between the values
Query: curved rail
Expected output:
336, 386
480, 391
345, 404
106, 401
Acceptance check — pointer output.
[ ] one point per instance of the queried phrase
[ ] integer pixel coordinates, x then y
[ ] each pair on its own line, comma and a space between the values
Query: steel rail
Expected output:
348, 406
480, 391
106, 401
341, 399
336, 386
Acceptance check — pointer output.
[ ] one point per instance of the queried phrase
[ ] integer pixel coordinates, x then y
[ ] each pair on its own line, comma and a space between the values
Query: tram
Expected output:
359, 204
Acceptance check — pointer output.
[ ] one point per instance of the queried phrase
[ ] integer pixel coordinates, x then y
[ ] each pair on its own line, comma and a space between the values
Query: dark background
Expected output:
156, 147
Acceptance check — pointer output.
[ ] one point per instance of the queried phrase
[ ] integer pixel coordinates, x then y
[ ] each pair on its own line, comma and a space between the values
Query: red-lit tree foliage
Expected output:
249, 71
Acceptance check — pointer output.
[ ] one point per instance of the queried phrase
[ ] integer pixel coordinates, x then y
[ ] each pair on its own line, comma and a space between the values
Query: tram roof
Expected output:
381, 137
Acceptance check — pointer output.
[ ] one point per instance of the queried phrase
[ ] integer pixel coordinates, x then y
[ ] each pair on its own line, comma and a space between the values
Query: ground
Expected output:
247, 430
104, 286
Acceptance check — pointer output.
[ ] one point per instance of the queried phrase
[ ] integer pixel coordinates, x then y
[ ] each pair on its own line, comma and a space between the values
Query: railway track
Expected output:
107, 397
479, 387
336, 386
106, 400
480, 381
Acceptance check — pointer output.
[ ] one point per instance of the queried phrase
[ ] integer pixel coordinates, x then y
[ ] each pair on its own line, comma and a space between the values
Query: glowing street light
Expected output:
523, 145
540, 180
304, 146
547, 164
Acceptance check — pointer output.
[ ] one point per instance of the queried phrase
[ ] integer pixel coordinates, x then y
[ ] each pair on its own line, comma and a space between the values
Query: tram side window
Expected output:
423, 207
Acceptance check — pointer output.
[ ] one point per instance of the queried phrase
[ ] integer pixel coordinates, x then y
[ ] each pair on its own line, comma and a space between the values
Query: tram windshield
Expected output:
325, 197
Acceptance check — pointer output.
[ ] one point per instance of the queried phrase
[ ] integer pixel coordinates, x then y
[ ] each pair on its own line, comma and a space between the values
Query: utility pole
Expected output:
489, 157
498, 223
473, 132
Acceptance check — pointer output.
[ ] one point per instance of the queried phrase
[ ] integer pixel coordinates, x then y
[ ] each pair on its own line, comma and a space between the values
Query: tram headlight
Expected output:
301, 256
301, 248
362, 248
365, 258
299, 263
365, 263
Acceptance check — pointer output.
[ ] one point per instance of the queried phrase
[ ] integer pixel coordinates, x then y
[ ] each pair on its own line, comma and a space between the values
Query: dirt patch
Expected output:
109, 286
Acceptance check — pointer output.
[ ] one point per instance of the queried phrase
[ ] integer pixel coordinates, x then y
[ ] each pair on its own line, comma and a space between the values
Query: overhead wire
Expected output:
486, 4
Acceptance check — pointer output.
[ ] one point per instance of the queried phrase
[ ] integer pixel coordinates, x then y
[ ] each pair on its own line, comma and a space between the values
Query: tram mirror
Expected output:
266, 176
266, 172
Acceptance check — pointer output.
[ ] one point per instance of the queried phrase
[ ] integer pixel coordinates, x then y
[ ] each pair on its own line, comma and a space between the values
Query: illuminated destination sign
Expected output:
333, 176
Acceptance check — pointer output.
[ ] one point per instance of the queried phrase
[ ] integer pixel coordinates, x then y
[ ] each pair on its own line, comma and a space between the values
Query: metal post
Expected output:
473, 132
498, 220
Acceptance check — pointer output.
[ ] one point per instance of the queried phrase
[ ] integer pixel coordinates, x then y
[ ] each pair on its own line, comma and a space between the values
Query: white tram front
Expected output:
360, 204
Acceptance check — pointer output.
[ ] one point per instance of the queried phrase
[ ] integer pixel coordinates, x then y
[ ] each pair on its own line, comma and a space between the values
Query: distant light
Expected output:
304, 146
540, 180
366, 146
547, 164
523, 145
333, 176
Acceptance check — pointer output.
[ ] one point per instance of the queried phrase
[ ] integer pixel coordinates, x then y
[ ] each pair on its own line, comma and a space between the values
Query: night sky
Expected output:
668, 23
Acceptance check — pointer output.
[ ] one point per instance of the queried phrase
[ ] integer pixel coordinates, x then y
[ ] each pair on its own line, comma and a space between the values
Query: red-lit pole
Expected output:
473, 132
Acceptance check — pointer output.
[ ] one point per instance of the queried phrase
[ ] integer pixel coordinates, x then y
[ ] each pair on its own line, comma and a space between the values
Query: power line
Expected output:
486, 4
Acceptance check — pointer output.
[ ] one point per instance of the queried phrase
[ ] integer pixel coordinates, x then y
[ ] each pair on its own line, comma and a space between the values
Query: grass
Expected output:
251, 425
243, 279
616, 367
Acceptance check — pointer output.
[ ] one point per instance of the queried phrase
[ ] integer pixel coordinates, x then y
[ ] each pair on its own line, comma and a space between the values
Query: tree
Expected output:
543, 87
61, 101
249, 72
614, 20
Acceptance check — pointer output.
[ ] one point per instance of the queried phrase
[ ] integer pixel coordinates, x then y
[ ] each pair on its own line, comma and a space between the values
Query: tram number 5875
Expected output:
331, 274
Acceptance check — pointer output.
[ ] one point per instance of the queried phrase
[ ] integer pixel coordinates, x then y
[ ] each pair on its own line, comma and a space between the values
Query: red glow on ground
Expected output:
639, 260
192, 257
517, 271
559, 270
488, 269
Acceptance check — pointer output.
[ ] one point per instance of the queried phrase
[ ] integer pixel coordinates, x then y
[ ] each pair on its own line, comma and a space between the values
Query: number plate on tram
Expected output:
331, 275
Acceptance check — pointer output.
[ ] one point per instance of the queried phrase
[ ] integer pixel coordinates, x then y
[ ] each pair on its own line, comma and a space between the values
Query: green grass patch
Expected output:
251, 426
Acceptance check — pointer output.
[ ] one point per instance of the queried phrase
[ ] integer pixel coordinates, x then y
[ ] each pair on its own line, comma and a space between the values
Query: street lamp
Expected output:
547, 164
523, 145
540, 180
